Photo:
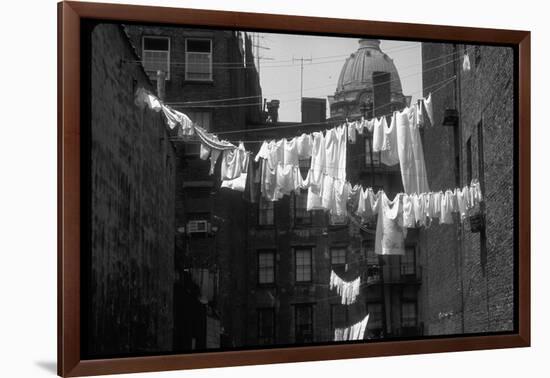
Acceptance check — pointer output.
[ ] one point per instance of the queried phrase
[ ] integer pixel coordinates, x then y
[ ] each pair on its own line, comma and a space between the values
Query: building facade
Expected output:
468, 283
211, 77
128, 280
292, 251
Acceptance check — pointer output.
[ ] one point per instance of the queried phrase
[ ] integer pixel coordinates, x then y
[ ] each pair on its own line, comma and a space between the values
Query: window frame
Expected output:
403, 271
259, 207
211, 70
299, 307
415, 304
192, 113
273, 253
143, 49
369, 154
296, 250
273, 327
338, 248
309, 218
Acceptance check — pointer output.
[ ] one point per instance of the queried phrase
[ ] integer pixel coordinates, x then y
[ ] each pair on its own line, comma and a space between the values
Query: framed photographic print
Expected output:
239, 188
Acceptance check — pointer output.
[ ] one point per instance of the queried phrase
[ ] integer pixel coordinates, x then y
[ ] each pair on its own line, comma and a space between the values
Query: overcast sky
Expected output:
280, 75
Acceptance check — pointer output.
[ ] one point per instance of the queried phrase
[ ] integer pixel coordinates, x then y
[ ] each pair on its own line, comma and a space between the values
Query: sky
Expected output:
280, 56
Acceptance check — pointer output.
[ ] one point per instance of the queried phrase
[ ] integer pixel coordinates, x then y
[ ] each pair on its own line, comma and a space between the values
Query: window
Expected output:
373, 268
299, 209
408, 314
303, 328
303, 264
156, 56
375, 159
408, 264
469, 160
266, 267
198, 59
338, 317
338, 257
266, 326
266, 212
204, 120
375, 315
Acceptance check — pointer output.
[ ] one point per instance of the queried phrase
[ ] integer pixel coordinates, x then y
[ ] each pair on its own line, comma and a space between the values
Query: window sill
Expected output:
206, 82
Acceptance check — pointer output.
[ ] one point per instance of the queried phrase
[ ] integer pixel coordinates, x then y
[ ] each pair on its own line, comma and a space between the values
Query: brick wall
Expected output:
468, 277
132, 207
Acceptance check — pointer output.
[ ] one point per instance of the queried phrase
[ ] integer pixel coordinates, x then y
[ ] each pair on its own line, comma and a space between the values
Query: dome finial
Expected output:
369, 43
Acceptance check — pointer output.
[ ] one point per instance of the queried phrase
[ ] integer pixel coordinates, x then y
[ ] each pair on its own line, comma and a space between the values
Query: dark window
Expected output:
198, 59
408, 314
373, 268
469, 160
408, 263
303, 329
266, 212
156, 56
266, 267
338, 257
303, 264
375, 315
266, 326
299, 209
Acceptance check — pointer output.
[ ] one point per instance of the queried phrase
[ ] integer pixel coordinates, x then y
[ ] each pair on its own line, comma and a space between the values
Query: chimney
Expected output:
273, 110
314, 110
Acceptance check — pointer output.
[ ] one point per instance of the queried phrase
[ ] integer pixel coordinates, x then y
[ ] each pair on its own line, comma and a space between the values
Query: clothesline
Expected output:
295, 91
297, 125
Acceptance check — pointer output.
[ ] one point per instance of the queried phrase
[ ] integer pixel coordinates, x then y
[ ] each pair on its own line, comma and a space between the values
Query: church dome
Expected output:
356, 74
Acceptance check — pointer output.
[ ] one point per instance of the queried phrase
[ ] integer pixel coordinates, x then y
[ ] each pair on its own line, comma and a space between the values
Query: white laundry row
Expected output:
353, 332
348, 290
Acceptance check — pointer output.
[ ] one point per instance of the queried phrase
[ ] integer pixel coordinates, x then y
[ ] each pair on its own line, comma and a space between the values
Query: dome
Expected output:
356, 74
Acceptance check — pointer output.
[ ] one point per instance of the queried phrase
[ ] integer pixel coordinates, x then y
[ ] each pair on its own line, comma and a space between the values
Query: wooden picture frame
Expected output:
70, 16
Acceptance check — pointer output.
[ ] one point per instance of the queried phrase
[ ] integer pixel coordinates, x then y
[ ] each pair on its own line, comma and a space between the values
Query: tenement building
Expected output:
209, 75
291, 251
128, 260
468, 271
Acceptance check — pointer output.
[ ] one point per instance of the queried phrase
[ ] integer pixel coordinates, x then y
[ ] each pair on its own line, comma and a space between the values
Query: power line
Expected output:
311, 88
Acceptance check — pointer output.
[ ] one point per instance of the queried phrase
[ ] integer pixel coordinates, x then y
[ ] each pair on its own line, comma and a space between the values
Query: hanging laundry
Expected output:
380, 126
360, 125
348, 290
174, 118
212, 140
144, 98
411, 154
462, 199
353, 332
304, 144
390, 232
389, 155
420, 112
428, 106
342, 191
409, 219
232, 163
466, 62
368, 204
435, 205
447, 208
252, 189
204, 152
237, 182
214, 155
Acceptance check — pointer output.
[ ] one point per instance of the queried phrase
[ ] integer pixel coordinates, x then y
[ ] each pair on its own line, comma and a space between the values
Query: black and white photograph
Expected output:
252, 190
